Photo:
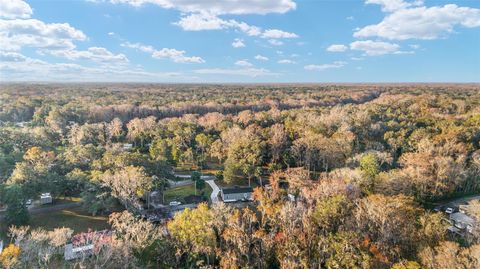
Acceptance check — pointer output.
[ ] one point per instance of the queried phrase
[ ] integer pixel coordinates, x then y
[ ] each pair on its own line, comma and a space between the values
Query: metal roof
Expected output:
462, 218
237, 190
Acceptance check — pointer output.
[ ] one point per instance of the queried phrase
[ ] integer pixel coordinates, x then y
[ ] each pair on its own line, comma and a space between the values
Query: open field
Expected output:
75, 218
179, 193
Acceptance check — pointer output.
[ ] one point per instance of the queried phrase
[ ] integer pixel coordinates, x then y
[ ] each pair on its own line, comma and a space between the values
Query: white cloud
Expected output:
208, 21
250, 72
286, 61
177, 56
275, 42
243, 63
13, 9
246, 28
427, 23
334, 65
200, 22
11, 57
350, 18
138, 46
276, 34
414, 46
393, 5
96, 54
237, 7
261, 58
111, 33
238, 43
337, 48
357, 58
18, 33
204, 15
17, 30
17, 67
404, 52
374, 48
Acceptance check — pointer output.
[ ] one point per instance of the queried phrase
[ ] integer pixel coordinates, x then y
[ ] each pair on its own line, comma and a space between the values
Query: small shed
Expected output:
72, 252
127, 146
84, 244
46, 198
22, 124
237, 194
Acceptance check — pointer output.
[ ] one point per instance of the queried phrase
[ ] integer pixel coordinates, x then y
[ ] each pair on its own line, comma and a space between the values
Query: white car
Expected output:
175, 203
449, 210
29, 202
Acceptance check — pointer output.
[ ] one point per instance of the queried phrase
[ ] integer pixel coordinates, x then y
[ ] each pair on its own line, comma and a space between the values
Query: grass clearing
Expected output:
74, 218
211, 168
178, 193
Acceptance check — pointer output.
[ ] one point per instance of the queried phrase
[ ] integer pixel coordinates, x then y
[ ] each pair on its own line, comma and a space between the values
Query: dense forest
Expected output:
366, 165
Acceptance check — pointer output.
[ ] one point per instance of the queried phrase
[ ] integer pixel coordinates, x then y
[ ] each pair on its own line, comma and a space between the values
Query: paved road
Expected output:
215, 192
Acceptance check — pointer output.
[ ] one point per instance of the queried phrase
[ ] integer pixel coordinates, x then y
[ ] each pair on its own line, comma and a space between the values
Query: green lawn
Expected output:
75, 218
211, 168
179, 193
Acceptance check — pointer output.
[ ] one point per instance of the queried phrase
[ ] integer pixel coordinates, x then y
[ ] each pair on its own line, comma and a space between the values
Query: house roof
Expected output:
462, 218
237, 190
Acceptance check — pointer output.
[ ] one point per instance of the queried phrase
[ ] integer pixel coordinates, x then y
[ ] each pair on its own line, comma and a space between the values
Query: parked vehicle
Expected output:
452, 209
175, 203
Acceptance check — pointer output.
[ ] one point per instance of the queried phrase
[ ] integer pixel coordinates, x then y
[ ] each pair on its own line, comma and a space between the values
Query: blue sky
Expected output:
240, 40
